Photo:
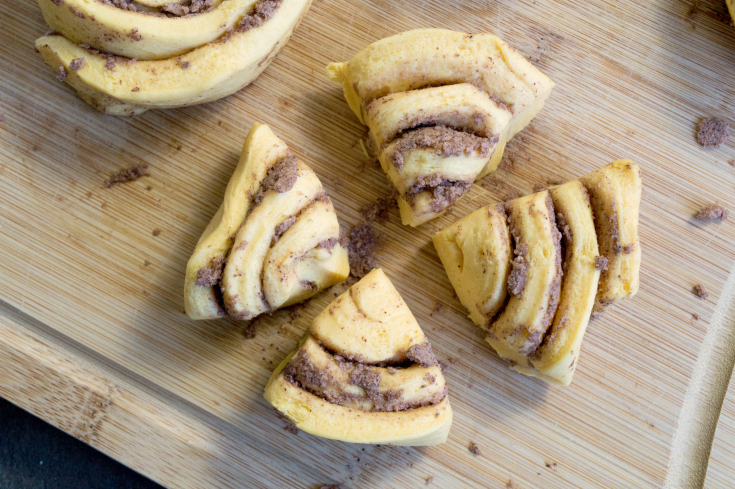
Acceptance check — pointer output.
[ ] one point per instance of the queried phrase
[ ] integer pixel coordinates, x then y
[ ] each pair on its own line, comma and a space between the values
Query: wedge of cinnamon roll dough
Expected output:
540, 338
365, 373
274, 241
440, 106
127, 86
615, 192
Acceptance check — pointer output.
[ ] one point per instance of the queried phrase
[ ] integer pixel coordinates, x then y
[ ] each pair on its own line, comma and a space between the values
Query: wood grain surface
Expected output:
94, 340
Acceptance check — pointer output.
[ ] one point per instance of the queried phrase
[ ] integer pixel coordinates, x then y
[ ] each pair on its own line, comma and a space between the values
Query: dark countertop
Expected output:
34, 454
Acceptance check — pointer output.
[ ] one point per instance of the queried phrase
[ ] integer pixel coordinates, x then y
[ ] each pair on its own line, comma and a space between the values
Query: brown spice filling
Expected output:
713, 132
181, 9
77, 64
309, 285
448, 142
712, 213
263, 11
601, 263
519, 271
280, 177
422, 354
282, 228
322, 383
444, 192
128, 175
211, 274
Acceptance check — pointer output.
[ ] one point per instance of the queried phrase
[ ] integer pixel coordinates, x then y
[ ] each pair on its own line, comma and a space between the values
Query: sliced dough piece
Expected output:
290, 235
476, 252
139, 34
519, 329
460, 82
207, 73
615, 193
370, 323
353, 400
556, 358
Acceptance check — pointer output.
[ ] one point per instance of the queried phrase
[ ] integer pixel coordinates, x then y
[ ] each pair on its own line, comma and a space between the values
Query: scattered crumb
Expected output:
695, 316
713, 132
551, 465
250, 330
437, 309
156, 232
147, 263
362, 245
444, 367
474, 449
513, 194
700, 291
149, 188
128, 175
693, 11
291, 428
429, 480
597, 311
711, 213
332, 486
379, 210
61, 73
295, 311
511, 485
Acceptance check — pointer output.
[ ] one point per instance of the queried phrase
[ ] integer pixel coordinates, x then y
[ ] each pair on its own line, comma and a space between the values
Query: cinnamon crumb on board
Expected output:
474, 449
437, 309
713, 132
128, 175
156, 232
429, 480
701, 292
362, 246
711, 213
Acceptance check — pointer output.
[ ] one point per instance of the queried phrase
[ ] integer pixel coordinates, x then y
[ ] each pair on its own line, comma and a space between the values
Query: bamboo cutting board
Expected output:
94, 340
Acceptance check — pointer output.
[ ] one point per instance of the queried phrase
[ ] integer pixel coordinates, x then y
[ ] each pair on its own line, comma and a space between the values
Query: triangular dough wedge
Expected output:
123, 87
274, 241
440, 106
365, 373
615, 192
540, 328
